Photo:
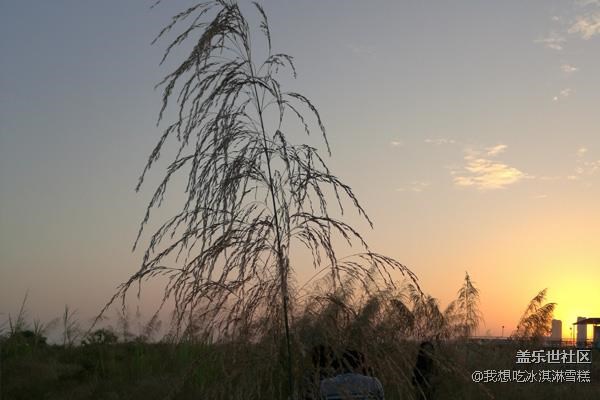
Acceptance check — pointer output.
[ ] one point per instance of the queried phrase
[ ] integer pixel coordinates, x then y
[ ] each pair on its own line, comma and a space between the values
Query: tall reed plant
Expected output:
251, 193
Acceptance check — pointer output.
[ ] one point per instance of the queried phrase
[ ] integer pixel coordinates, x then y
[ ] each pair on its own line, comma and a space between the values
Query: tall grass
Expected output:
467, 307
252, 194
536, 321
384, 326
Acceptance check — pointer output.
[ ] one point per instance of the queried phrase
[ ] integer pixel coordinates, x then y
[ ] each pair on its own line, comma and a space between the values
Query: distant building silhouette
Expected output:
582, 324
581, 332
556, 335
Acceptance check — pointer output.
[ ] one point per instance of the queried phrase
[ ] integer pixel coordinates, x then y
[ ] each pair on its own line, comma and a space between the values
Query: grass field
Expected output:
138, 370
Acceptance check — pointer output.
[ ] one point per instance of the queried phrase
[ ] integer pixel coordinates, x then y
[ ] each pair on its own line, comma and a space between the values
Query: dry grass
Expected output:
245, 371
386, 327
252, 194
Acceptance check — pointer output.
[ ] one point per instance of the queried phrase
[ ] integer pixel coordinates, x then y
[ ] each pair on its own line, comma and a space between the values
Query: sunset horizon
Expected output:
406, 147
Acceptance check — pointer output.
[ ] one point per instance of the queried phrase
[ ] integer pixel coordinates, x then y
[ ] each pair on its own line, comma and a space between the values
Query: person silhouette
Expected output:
322, 366
423, 371
351, 381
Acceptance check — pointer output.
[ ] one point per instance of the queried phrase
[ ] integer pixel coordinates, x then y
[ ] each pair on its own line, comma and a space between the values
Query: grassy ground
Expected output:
457, 383
194, 371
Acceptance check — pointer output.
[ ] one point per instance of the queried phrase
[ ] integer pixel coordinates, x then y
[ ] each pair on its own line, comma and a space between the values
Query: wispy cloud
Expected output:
586, 26
569, 69
440, 141
414, 186
396, 143
481, 171
554, 42
495, 150
585, 166
550, 177
584, 3
563, 93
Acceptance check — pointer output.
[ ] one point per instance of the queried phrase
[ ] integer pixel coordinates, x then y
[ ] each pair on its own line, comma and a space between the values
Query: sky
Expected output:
469, 130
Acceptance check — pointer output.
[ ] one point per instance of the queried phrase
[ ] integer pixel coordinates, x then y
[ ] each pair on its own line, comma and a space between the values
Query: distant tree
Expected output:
143, 332
41, 329
251, 193
536, 321
28, 338
22, 332
100, 336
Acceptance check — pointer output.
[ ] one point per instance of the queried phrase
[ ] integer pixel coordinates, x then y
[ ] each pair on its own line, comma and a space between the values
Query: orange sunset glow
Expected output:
452, 148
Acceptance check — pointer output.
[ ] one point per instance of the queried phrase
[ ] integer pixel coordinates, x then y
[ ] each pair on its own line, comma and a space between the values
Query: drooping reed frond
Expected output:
251, 194
467, 307
537, 319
